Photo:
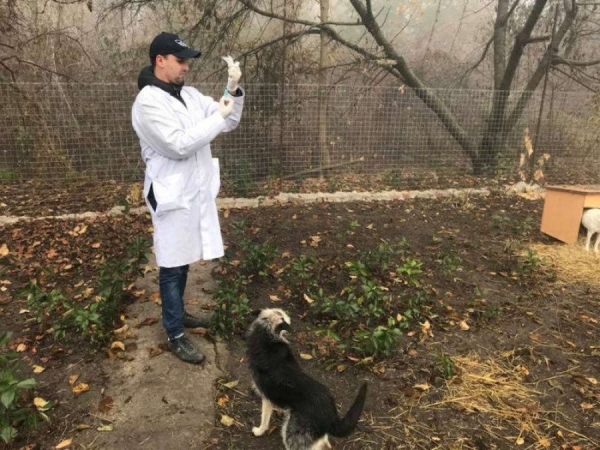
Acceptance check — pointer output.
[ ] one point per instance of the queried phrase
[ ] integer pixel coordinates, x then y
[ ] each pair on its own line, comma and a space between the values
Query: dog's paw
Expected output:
257, 431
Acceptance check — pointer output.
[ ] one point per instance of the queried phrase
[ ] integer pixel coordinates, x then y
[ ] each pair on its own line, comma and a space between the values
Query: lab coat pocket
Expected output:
215, 179
168, 192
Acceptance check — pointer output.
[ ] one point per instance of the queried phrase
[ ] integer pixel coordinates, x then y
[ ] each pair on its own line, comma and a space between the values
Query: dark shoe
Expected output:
190, 321
185, 350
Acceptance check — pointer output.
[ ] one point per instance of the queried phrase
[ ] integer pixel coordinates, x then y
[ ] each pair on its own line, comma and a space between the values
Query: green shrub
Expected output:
16, 408
232, 306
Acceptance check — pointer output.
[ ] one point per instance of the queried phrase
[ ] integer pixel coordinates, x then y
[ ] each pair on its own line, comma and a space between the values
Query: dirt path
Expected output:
159, 401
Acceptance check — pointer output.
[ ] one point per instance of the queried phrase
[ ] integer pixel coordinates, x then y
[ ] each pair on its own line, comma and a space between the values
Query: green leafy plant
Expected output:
339, 308
500, 222
378, 341
492, 312
232, 306
257, 257
529, 263
302, 273
445, 366
16, 409
356, 269
450, 263
415, 306
94, 320
354, 225
409, 270
379, 260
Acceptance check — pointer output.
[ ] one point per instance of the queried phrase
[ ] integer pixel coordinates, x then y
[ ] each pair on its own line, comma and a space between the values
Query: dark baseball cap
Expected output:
171, 44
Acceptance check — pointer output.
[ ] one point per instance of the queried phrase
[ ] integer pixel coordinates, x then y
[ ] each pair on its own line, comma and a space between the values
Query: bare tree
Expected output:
508, 58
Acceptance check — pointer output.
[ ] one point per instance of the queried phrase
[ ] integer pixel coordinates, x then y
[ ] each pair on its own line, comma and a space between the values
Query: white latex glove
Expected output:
234, 73
225, 107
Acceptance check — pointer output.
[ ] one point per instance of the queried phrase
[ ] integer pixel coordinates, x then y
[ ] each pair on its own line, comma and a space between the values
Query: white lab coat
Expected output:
175, 142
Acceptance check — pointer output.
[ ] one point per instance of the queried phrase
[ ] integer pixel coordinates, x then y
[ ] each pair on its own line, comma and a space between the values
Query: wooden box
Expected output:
564, 207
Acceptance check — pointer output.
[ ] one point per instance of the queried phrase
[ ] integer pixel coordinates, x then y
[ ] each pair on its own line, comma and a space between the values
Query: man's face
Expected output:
171, 69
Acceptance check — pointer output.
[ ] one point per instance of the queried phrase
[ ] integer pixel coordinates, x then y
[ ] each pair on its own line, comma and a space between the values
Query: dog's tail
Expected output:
343, 427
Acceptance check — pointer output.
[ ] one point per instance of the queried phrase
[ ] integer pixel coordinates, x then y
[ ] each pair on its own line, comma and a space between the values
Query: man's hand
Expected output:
234, 73
225, 107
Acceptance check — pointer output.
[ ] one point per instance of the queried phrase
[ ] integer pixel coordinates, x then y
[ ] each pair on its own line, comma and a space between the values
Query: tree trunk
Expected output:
324, 156
498, 127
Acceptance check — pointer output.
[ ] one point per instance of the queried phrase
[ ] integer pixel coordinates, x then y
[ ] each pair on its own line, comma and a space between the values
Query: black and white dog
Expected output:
309, 408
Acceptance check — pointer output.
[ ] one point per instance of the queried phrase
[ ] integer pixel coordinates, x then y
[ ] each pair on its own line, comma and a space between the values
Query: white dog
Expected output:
591, 222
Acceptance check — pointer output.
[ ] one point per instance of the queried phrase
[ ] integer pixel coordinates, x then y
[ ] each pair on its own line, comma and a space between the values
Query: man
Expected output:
175, 125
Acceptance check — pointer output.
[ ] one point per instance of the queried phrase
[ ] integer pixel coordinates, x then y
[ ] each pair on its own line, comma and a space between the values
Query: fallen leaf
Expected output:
80, 388
305, 356
308, 299
64, 444
274, 298
520, 441
231, 384
4, 250
147, 322
222, 401
463, 325
121, 330
155, 351
198, 330
587, 406
24, 311
73, 379
40, 403
544, 442
106, 404
226, 420
117, 345
426, 329
21, 348
82, 426
341, 368
51, 253
96, 245
38, 369
105, 428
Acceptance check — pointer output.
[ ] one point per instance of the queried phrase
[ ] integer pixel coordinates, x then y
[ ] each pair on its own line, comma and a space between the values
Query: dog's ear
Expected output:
256, 312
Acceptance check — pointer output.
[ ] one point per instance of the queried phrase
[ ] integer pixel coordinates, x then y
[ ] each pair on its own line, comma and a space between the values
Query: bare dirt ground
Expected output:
509, 358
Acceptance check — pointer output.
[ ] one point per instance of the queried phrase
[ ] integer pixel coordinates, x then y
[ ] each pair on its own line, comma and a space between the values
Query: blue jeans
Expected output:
172, 285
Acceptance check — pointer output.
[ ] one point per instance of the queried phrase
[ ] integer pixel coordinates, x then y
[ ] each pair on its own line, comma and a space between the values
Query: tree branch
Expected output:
520, 42
575, 79
535, 39
31, 63
426, 95
560, 60
308, 23
490, 41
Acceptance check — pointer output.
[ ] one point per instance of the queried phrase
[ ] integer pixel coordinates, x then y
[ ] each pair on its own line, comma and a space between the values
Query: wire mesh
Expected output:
64, 133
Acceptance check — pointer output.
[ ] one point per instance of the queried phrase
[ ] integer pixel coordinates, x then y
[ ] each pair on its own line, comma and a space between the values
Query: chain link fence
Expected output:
68, 134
